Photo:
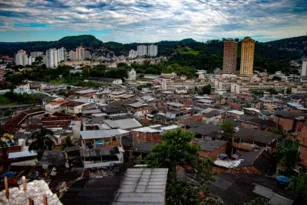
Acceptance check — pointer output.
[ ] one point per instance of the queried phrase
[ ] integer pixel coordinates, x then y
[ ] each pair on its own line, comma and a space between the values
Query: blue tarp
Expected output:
283, 179
8, 174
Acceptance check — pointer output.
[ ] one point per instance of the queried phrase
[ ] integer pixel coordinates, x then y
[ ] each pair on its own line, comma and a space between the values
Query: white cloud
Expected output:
147, 20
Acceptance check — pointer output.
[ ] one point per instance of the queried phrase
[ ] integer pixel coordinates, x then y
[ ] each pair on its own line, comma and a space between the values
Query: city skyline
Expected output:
151, 21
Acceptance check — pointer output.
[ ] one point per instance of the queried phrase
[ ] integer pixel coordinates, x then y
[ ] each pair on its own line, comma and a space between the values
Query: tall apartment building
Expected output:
142, 50
21, 58
61, 54
80, 53
52, 58
304, 68
35, 54
230, 56
152, 50
247, 57
72, 55
87, 55
133, 54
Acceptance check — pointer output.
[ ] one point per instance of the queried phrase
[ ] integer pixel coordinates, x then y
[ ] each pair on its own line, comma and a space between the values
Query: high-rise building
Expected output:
247, 57
152, 50
61, 54
87, 55
35, 54
133, 54
80, 53
230, 56
142, 50
304, 68
52, 58
72, 55
21, 58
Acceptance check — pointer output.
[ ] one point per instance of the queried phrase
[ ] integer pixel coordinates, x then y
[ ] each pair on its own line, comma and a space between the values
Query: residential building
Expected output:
72, 55
142, 50
247, 57
21, 58
230, 56
61, 54
101, 148
304, 68
52, 58
80, 53
87, 55
132, 54
132, 74
152, 50
36, 54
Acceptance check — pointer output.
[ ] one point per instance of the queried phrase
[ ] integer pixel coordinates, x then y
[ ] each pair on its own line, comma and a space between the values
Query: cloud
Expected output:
149, 21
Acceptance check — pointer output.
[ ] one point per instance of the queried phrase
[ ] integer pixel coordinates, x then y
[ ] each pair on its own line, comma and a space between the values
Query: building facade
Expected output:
52, 58
247, 57
132, 54
80, 53
36, 54
72, 55
21, 58
152, 50
61, 54
304, 68
142, 50
230, 56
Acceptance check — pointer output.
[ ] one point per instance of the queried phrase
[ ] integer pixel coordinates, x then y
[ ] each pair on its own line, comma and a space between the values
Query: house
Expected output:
211, 148
259, 163
206, 131
139, 109
129, 123
249, 139
132, 75
114, 81
137, 186
101, 148
236, 188
142, 186
55, 106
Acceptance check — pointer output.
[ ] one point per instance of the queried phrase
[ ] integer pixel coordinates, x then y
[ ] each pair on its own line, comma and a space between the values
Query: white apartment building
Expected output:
152, 50
132, 54
61, 54
87, 55
142, 50
72, 55
80, 53
304, 68
52, 58
35, 54
21, 58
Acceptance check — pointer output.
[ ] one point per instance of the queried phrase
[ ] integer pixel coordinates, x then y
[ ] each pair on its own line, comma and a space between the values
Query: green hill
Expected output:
69, 42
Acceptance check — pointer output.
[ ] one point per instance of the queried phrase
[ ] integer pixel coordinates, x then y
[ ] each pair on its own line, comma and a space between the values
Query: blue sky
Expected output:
151, 20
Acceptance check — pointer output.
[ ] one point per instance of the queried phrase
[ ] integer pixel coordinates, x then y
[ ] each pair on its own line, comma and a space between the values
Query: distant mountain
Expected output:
69, 42
298, 44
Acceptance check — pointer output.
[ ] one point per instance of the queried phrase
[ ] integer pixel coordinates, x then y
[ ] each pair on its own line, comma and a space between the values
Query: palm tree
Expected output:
41, 141
68, 142
4, 149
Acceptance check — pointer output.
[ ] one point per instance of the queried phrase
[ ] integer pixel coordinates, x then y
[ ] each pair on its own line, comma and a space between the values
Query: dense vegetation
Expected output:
68, 42
188, 55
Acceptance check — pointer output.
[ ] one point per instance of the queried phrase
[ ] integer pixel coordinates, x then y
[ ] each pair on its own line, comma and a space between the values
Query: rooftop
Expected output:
142, 186
98, 134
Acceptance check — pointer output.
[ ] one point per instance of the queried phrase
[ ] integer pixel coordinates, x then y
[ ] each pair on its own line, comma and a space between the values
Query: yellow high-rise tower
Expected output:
247, 57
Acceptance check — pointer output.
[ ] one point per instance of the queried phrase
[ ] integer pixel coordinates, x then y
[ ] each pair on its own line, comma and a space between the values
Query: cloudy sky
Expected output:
152, 20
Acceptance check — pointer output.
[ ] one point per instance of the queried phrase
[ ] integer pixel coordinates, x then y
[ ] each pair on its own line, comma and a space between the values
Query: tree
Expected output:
41, 141
176, 150
206, 89
301, 186
258, 201
68, 142
287, 153
228, 128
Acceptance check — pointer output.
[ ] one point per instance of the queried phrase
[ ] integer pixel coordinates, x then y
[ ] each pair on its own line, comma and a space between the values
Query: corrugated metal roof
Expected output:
142, 186
98, 134
128, 123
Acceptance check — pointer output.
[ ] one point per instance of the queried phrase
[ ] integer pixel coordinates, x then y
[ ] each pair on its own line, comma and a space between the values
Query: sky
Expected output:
129, 21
